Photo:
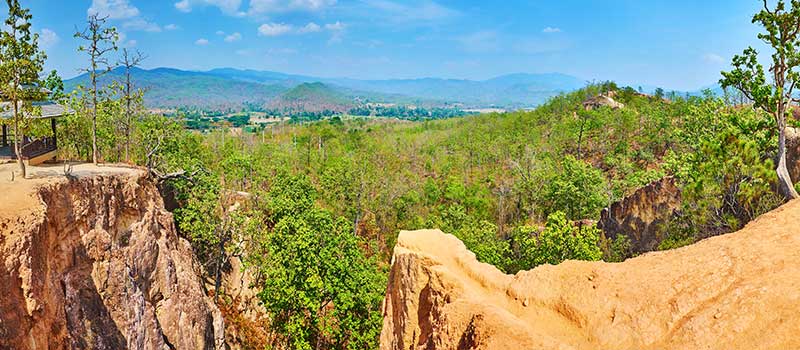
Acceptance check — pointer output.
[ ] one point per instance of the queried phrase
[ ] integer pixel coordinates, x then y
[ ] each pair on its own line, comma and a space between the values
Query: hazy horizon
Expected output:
678, 46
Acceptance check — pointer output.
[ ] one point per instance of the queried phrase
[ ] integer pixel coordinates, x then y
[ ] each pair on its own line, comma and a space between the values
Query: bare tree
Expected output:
129, 60
100, 41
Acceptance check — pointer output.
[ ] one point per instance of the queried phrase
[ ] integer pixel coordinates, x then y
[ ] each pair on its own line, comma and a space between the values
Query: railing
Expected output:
34, 148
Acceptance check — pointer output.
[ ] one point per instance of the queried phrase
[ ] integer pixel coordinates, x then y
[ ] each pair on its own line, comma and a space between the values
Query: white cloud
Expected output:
551, 30
338, 26
183, 6
233, 37
201, 42
48, 38
338, 32
141, 25
274, 29
130, 43
113, 9
410, 11
230, 7
219, 32
713, 58
311, 27
123, 10
260, 7
277, 29
311, 5
171, 26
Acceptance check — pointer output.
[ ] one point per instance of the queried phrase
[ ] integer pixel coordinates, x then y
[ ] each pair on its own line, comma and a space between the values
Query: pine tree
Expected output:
783, 35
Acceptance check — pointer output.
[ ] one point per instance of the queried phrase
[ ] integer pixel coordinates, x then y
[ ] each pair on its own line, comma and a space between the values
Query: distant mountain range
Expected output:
233, 88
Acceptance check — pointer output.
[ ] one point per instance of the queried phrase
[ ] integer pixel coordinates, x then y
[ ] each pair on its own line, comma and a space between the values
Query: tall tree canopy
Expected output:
782, 28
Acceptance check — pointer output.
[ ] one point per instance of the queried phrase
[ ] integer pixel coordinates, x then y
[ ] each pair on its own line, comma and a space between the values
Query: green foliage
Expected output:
725, 167
54, 83
21, 62
319, 288
776, 95
522, 242
326, 199
200, 213
748, 74
562, 240
618, 249
575, 188
681, 231
481, 238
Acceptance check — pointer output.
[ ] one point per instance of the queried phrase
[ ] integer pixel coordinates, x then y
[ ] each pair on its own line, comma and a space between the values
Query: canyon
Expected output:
92, 260
736, 291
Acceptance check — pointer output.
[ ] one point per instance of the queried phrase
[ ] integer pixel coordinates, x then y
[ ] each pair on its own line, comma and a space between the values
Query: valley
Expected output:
405, 187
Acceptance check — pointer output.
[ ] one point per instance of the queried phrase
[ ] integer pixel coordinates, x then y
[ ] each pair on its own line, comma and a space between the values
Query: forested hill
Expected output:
228, 87
312, 97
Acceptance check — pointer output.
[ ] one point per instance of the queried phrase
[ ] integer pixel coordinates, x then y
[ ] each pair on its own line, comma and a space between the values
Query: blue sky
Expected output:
679, 44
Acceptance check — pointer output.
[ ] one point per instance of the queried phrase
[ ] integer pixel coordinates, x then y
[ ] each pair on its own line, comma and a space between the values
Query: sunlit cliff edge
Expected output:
92, 261
736, 291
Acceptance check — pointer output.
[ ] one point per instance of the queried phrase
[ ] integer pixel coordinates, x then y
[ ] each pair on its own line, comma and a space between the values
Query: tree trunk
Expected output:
128, 113
785, 185
18, 142
94, 122
218, 272
580, 137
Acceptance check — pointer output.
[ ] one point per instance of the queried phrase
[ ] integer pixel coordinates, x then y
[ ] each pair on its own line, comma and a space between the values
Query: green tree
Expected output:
318, 286
55, 85
21, 62
481, 238
563, 240
575, 188
783, 35
560, 240
100, 41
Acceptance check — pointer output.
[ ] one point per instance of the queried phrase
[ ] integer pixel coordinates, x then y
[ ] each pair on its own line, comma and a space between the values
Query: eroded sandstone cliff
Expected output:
640, 215
737, 291
97, 264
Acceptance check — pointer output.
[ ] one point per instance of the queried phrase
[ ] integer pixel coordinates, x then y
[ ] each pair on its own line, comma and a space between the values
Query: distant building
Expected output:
33, 150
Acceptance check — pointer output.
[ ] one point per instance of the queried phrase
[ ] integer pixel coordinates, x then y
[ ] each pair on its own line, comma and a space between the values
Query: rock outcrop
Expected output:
736, 291
97, 264
640, 215
602, 100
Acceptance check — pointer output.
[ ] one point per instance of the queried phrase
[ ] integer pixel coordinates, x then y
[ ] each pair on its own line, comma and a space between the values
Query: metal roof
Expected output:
49, 109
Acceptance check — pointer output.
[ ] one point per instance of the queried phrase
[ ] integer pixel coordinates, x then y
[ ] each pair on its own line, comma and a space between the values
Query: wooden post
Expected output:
53, 126
5, 135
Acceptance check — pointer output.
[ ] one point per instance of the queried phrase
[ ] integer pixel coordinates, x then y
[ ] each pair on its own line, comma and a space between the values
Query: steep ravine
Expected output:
736, 291
97, 264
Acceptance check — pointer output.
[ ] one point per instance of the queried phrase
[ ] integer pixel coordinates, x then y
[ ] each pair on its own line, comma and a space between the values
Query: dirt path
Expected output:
18, 195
